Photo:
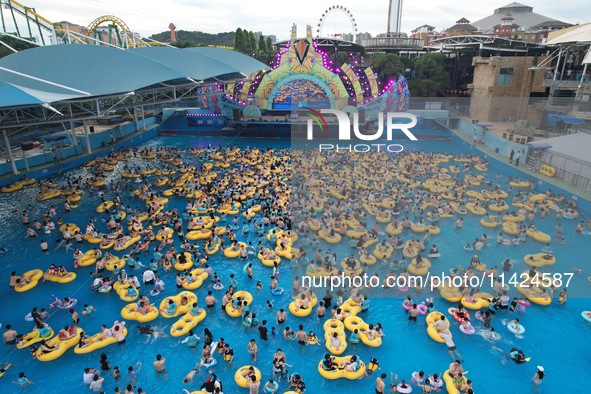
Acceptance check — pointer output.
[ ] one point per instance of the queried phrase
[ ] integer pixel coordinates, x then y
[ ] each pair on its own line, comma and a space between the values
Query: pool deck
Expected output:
523, 168
83, 154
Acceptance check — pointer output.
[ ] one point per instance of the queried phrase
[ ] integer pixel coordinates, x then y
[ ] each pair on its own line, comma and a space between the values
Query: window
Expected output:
505, 76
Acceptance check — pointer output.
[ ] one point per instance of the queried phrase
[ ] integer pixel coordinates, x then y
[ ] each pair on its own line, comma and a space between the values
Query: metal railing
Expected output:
573, 171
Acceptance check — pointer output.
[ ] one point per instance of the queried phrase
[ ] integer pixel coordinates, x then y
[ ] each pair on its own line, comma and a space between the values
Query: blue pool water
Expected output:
556, 336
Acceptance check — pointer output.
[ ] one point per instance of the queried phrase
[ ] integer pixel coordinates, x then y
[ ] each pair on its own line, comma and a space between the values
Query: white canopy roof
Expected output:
580, 35
573, 145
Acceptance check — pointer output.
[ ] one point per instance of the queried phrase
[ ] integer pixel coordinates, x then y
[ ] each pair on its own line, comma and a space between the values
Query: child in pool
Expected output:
354, 338
312, 338
259, 285
88, 309
233, 282
373, 365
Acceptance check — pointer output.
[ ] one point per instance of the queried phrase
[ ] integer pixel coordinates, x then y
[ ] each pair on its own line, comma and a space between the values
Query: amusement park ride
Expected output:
106, 30
340, 11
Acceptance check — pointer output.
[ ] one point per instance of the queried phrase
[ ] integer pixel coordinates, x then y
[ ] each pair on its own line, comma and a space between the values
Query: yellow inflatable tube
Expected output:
367, 259
431, 330
129, 312
479, 301
475, 210
114, 261
297, 311
180, 309
335, 239
423, 270
121, 290
354, 322
33, 276
199, 275
392, 230
335, 326
350, 308
510, 228
98, 342
268, 263
244, 296
488, 224
33, 337
538, 235
342, 373
383, 252
232, 252
184, 266
198, 234
187, 322
539, 259
534, 293
240, 376
67, 278
62, 346
129, 243
449, 383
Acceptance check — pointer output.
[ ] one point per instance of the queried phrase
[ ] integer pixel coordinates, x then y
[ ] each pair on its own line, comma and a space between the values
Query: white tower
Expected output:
394, 18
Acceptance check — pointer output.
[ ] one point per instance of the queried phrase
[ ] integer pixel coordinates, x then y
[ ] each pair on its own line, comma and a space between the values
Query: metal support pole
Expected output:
88, 148
583, 76
137, 126
73, 134
557, 65
26, 162
564, 64
143, 119
9, 150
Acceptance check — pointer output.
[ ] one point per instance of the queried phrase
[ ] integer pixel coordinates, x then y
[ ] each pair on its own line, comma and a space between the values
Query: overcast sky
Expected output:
276, 17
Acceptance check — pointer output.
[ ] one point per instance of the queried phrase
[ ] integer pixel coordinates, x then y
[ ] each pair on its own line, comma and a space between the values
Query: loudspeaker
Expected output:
361, 113
91, 128
236, 114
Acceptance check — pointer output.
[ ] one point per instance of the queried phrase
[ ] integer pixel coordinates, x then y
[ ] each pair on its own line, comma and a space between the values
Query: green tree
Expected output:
239, 44
252, 43
387, 66
185, 44
263, 45
17, 44
227, 39
269, 45
431, 74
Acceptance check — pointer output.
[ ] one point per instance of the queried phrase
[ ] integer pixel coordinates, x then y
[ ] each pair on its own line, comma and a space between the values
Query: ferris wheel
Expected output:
337, 10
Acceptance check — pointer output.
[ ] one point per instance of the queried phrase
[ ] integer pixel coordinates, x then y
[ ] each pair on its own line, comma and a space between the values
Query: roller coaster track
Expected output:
120, 35
33, 19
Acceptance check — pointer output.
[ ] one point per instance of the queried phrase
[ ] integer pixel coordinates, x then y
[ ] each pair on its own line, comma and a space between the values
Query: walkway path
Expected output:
523, 168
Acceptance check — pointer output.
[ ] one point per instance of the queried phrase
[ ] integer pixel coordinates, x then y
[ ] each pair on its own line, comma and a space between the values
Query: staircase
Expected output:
531, 163
58, 152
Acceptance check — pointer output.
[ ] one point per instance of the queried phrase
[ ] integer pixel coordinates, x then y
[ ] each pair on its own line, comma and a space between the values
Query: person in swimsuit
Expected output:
22, 381
281, 316
301, 336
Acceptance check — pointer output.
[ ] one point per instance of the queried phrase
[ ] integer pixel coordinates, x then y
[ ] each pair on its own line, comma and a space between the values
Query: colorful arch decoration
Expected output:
301, 60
